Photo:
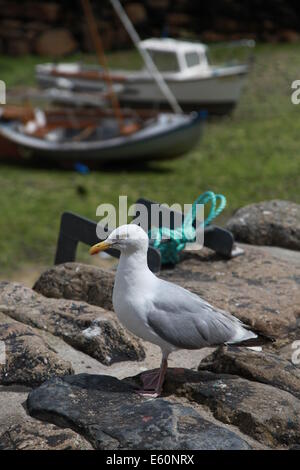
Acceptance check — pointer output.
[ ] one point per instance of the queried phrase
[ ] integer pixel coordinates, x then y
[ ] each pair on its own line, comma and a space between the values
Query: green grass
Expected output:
251, 156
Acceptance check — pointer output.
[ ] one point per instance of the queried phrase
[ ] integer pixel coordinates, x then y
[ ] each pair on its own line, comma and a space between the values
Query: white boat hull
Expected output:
218, 91
213, 93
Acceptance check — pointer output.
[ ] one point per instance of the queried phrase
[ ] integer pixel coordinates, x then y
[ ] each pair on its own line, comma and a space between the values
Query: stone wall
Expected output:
69, 371
57, 28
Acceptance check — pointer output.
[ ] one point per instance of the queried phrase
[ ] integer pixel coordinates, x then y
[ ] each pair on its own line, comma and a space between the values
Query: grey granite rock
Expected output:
28, 359
265, 367
77, 281
35, 435
88, 328
112, 416
268, 414
268, 223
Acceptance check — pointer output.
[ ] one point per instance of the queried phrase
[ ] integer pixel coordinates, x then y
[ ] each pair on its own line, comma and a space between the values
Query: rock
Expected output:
106, 31
55, 42
12, 410
259, 288
179, 19
18, 47
265, 367
36, 26
227, 25
158, 4
269, 25
112, 416
289, 35
44, 11
12, 9
212, 36
11, 29
34, 435
290, 351
78, 282
137, 12
88, 328
268, 223
121, 37
267, 414
28, 360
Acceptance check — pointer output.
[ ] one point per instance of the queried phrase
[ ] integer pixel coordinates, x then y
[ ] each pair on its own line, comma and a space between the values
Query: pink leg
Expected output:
153, 381
150, 378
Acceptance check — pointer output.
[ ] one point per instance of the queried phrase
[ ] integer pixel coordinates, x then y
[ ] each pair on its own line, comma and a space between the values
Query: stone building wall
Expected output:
57, 28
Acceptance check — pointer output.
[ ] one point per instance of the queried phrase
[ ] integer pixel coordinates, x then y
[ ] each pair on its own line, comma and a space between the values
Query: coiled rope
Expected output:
171, 242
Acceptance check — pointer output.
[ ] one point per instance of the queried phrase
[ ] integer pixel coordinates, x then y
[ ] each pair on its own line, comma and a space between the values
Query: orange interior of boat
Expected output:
88, 75
76, 118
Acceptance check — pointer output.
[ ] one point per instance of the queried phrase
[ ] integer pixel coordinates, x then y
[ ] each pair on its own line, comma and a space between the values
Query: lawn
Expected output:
251, 156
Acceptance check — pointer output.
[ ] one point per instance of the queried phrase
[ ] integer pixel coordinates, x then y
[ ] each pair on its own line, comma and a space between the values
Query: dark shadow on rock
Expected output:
177, 379
101, 383
261, 410
109, 413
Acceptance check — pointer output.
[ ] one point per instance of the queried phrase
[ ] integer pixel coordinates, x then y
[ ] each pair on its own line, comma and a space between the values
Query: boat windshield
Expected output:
165, 61
192, 59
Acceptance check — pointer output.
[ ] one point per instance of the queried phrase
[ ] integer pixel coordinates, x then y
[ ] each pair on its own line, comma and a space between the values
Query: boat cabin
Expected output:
173, 56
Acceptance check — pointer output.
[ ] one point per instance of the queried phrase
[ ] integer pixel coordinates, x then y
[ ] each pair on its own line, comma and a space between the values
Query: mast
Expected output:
102, 60
152, 69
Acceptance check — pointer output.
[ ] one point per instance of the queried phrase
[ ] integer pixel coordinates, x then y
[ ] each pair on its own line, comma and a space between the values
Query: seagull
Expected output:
164, 313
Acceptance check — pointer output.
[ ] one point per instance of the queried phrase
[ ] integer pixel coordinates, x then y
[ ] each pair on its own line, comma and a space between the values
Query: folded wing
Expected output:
188, 322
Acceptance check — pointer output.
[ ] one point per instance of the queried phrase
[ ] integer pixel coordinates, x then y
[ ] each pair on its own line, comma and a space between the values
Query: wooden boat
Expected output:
92, 135
89, 134
195, 83
65, 96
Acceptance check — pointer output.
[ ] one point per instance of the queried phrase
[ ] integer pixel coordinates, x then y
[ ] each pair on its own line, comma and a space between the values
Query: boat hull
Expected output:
213, 109
217, 93
165, 140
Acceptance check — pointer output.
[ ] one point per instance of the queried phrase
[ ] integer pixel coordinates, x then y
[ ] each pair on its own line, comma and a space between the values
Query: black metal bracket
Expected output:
74, 229
216, 238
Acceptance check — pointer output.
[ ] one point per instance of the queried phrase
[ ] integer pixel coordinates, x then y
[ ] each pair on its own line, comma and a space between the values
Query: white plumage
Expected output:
162, 312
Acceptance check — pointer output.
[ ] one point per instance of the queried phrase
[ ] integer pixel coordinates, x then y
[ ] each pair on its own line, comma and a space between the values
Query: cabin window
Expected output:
192, 59
165, 61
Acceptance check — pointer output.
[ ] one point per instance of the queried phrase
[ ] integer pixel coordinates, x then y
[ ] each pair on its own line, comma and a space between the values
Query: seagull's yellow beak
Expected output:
99, 247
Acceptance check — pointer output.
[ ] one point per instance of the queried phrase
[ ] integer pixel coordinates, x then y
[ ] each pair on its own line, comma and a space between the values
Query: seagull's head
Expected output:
126, 238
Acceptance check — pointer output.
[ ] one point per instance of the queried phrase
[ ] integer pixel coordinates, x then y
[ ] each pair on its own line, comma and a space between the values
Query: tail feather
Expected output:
260, 340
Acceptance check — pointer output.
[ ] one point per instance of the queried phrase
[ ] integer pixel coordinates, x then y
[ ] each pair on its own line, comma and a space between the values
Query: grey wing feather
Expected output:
186, 321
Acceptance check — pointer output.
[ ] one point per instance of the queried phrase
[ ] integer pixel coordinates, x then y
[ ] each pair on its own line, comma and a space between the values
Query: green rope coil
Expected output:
171, 242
